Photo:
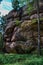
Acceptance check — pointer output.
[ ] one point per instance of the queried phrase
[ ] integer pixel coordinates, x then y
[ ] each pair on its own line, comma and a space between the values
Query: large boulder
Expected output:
23, 37
19, 47
34, 16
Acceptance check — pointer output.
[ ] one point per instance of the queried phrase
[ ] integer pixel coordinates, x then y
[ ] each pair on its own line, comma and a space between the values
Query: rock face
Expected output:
21, 38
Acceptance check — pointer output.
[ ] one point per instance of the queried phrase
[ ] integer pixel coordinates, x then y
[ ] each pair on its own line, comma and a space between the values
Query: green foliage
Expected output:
15, 4
3, 23
30, 5
1, 41
19, 59
20, 3
17, 22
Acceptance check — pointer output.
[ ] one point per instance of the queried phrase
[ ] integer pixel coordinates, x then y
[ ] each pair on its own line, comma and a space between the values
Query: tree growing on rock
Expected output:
15, 4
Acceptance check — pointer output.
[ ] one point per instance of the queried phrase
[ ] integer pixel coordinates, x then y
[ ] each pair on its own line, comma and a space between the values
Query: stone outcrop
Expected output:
22, 38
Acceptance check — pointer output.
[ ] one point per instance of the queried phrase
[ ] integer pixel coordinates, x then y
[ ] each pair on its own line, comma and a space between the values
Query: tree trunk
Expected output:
38, 19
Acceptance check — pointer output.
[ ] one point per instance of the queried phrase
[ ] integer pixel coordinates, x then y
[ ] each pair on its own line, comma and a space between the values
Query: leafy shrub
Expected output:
19, 59
17, 22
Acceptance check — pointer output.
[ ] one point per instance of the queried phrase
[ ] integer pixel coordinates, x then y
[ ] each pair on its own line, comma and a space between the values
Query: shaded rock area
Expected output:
22, 38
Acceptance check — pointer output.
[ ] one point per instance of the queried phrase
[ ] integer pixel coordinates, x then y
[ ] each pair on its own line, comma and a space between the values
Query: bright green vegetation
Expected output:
35, 20
20, 59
